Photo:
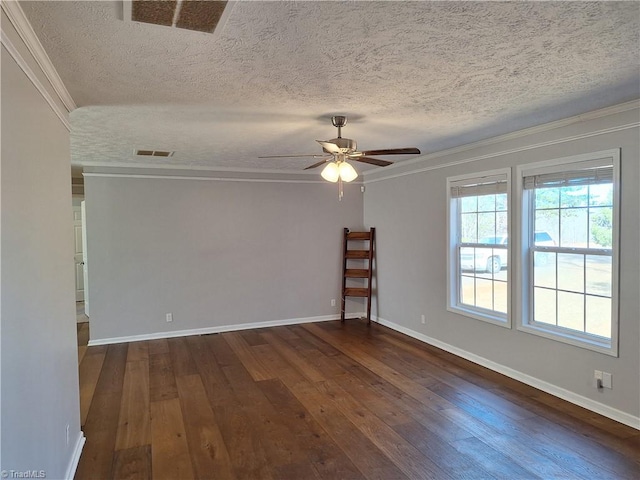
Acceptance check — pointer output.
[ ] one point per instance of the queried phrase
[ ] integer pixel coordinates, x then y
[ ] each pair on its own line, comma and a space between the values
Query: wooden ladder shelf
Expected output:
361, 256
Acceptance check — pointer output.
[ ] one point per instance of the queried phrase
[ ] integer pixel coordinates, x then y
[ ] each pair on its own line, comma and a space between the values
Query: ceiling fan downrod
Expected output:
339, 121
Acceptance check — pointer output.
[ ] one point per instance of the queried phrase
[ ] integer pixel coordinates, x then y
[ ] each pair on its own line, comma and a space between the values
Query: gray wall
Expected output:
39, 376
213, 253
409, 212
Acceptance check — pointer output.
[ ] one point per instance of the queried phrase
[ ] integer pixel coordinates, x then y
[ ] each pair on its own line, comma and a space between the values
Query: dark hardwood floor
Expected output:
329, 401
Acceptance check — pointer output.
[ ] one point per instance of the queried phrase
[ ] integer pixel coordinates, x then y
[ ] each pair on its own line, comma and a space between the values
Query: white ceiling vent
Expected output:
154, 153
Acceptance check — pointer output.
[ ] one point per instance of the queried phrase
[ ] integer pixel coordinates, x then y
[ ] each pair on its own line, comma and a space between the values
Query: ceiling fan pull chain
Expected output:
340, 191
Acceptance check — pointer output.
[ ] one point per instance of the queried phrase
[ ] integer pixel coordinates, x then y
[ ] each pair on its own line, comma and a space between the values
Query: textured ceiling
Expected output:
427, 74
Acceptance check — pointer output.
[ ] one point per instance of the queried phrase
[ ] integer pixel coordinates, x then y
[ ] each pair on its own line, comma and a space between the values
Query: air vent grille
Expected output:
154, 153
201, 16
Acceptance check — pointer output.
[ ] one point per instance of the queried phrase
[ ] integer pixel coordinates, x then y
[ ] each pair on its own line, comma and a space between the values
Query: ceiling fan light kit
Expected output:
342, 149
339, 170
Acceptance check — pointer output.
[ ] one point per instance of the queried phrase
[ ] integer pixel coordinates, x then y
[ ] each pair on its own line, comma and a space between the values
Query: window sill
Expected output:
566, 336
483, 315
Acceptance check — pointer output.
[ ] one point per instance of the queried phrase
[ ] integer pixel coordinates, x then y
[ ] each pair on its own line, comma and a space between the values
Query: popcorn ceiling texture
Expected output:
427, 74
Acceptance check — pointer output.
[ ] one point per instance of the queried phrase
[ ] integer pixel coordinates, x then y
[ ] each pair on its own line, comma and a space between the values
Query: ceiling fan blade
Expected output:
372, 161
330, 147
314, 155
319, 163
393, 151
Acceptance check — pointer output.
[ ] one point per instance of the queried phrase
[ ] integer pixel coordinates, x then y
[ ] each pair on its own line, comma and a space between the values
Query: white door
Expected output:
78, 253
85, 267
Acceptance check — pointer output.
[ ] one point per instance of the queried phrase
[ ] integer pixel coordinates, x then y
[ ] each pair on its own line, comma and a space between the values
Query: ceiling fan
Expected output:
343, 149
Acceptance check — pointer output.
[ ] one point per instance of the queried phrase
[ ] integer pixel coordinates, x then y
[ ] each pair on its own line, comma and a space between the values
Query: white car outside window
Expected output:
487, 259
492, 260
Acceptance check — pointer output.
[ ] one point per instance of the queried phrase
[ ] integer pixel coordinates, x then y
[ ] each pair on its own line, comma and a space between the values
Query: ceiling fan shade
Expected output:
347, 172
331, 173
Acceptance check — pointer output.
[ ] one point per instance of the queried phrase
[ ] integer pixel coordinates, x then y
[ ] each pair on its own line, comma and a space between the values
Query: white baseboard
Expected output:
218, 329
554, 390
75, 457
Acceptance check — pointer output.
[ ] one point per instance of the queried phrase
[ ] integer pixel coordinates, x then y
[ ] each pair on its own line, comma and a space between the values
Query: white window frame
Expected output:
453, 261
524, 260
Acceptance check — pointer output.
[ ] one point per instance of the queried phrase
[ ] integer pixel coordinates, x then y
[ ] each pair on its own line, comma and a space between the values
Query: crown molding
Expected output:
61, 113
22, 25
193, 177
498, 153
189, 167
603, 112
191, 172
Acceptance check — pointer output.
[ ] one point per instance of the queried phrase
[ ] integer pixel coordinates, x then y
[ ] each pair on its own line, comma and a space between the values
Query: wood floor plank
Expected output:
492, 460
392, 376
215, 383
90, 369
327, 458
282, 448
112, 372
432, 419
102, 420
441, 452
403, 454
100, 431
170, 458
252, 337
134, 428
354, 443
294, 358
424, 361
158, 346
138, 351
162, 381
324, 347
209, 455
243, 350
82, 350
181, 361
133, 463
245, 444
361, 450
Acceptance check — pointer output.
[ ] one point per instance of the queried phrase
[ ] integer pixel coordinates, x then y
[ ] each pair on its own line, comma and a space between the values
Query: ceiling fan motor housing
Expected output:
345, 144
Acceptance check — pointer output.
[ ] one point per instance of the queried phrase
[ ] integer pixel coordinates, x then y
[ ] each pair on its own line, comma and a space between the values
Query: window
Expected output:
569, 250
478, 270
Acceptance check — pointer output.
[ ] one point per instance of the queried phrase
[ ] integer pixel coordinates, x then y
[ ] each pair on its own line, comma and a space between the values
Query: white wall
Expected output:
215, 254
409, 211
39, 376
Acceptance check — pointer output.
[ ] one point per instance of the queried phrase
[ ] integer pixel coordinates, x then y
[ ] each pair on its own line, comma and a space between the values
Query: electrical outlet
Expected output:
333, 302
607, 380
169, 317
597, 379
422, 319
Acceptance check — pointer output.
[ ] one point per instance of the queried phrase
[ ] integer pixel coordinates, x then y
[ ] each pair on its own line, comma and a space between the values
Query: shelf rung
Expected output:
356, 273
351, 254
358, 235
356, 292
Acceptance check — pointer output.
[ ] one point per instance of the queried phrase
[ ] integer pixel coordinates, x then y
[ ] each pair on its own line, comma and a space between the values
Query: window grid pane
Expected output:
482, 269
572, 288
